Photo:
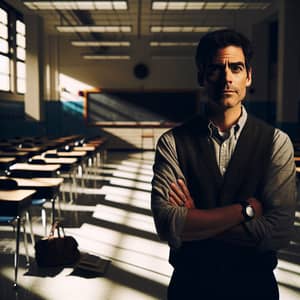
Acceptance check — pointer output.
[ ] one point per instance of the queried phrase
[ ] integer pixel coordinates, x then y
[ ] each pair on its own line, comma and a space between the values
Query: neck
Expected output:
224, 118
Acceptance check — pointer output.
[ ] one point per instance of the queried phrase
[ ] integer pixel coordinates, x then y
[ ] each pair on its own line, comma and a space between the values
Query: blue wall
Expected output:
65, 118
61, 118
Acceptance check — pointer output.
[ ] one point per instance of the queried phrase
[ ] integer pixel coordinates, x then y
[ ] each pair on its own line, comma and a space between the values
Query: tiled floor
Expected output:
111, 218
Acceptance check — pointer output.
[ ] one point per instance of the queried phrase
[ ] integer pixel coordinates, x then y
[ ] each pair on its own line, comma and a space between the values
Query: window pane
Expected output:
20, 69
4, 82
21, 53
3, 16
21, 87
4, 64
21, 40
3, 46
20, 27
3, 31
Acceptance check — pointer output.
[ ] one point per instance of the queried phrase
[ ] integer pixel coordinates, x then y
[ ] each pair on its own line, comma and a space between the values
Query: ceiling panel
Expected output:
141, 17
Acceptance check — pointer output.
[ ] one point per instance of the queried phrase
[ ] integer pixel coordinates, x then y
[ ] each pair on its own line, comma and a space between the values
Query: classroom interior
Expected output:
86, 90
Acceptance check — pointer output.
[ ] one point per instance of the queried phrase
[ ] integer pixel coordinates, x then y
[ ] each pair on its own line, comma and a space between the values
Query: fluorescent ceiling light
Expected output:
183, 29
100, 43
172, 44
208, 5
214, 5
77, 5
94, 28
257, 5
105, 57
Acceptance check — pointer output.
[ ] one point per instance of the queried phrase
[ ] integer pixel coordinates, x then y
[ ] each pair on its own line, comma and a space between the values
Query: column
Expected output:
34, 67
288, 66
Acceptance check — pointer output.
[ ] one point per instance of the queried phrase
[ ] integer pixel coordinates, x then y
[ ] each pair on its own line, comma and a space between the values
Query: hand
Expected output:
179, 195
257, 206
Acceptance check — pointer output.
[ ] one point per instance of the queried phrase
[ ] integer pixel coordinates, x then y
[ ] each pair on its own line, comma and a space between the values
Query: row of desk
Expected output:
38, 178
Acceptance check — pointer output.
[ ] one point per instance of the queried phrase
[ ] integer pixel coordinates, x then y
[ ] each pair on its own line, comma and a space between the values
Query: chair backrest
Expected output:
36, 161
51, 155
8, 184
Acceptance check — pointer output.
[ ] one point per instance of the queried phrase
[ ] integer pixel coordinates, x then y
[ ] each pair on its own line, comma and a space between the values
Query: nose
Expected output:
227, 75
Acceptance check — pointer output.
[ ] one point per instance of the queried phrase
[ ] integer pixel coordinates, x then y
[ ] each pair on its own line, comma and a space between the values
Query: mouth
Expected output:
227, 91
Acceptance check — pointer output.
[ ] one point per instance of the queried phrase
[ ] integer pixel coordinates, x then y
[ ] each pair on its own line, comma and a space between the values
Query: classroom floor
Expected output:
111, 219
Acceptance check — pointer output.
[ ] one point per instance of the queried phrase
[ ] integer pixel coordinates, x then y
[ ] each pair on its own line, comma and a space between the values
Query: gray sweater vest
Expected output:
244, 177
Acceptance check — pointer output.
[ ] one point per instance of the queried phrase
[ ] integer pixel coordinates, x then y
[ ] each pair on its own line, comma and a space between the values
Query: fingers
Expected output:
178, 194
175, 202
177, 199
184, 189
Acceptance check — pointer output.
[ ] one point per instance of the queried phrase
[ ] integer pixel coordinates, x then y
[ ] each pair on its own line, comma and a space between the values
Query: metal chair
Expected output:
15, 221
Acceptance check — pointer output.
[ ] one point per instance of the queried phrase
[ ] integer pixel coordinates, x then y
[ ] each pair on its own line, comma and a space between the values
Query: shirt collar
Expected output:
235, 129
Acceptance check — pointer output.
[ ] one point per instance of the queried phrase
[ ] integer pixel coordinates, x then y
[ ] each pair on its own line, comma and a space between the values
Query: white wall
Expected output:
164, 74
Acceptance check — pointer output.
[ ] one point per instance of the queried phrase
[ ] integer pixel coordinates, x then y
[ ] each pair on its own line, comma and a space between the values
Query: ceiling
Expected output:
139, 17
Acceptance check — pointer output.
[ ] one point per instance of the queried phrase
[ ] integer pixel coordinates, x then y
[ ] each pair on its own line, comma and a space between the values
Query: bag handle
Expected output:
56, 225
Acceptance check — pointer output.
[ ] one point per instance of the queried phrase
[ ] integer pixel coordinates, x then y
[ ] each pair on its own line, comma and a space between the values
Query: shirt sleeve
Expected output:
274, 229
169, 220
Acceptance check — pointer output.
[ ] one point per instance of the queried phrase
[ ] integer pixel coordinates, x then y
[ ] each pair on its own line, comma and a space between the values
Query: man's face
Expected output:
226, 77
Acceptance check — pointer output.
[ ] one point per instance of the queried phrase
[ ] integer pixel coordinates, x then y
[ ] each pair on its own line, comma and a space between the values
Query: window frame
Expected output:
18, 59
6, 54
13, 17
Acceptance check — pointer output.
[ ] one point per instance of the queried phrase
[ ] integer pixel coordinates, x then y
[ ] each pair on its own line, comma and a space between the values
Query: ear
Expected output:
249, 77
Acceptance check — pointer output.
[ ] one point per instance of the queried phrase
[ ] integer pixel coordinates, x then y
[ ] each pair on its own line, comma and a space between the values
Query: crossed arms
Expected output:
177, 219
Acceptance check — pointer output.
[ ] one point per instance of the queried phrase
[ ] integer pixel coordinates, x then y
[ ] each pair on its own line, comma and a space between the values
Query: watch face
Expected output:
250, 211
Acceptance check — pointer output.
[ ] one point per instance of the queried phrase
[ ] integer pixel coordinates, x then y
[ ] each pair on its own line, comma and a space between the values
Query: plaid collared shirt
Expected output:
225, 142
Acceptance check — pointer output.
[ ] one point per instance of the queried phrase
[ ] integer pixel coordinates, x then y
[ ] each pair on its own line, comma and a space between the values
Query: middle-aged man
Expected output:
224, 189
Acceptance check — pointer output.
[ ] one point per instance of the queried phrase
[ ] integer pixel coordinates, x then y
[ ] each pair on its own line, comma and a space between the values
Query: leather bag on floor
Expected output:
54, 251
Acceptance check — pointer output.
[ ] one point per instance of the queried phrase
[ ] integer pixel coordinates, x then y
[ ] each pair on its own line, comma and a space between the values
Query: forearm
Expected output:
238, 235
169, 220
202, 224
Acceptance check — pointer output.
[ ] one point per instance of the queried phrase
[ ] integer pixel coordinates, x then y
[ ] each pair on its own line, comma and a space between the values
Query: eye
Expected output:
236, 68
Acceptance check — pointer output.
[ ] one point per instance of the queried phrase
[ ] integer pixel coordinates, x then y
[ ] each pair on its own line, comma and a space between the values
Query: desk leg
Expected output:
53, 210
16, 257
29, 218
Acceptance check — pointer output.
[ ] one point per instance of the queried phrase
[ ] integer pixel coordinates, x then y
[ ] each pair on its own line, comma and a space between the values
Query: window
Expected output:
20, 56
12, 51
4, 52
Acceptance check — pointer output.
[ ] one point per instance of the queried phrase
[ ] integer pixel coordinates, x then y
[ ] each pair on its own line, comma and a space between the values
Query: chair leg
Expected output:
63, 195
58, 205
53, 210
44, 220
74, 187
16, 256
29, 218
25, 244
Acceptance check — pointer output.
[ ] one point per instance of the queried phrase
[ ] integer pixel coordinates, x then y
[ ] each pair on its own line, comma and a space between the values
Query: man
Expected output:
224, 187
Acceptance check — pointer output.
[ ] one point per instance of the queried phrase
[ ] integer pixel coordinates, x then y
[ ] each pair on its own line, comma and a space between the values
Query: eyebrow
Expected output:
238, 63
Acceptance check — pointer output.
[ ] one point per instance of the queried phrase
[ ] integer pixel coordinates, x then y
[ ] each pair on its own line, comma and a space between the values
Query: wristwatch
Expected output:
247, 210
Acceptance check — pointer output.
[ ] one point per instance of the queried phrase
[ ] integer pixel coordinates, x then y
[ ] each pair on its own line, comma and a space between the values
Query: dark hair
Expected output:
213, 41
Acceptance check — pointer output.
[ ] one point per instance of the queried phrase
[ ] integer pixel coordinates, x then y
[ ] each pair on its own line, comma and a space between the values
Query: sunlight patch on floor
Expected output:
126, 192
129, 175
289, 266
137, 164
120, 216
132, 250
131, 184
103, 288
128, 200
135, 169
288, 278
